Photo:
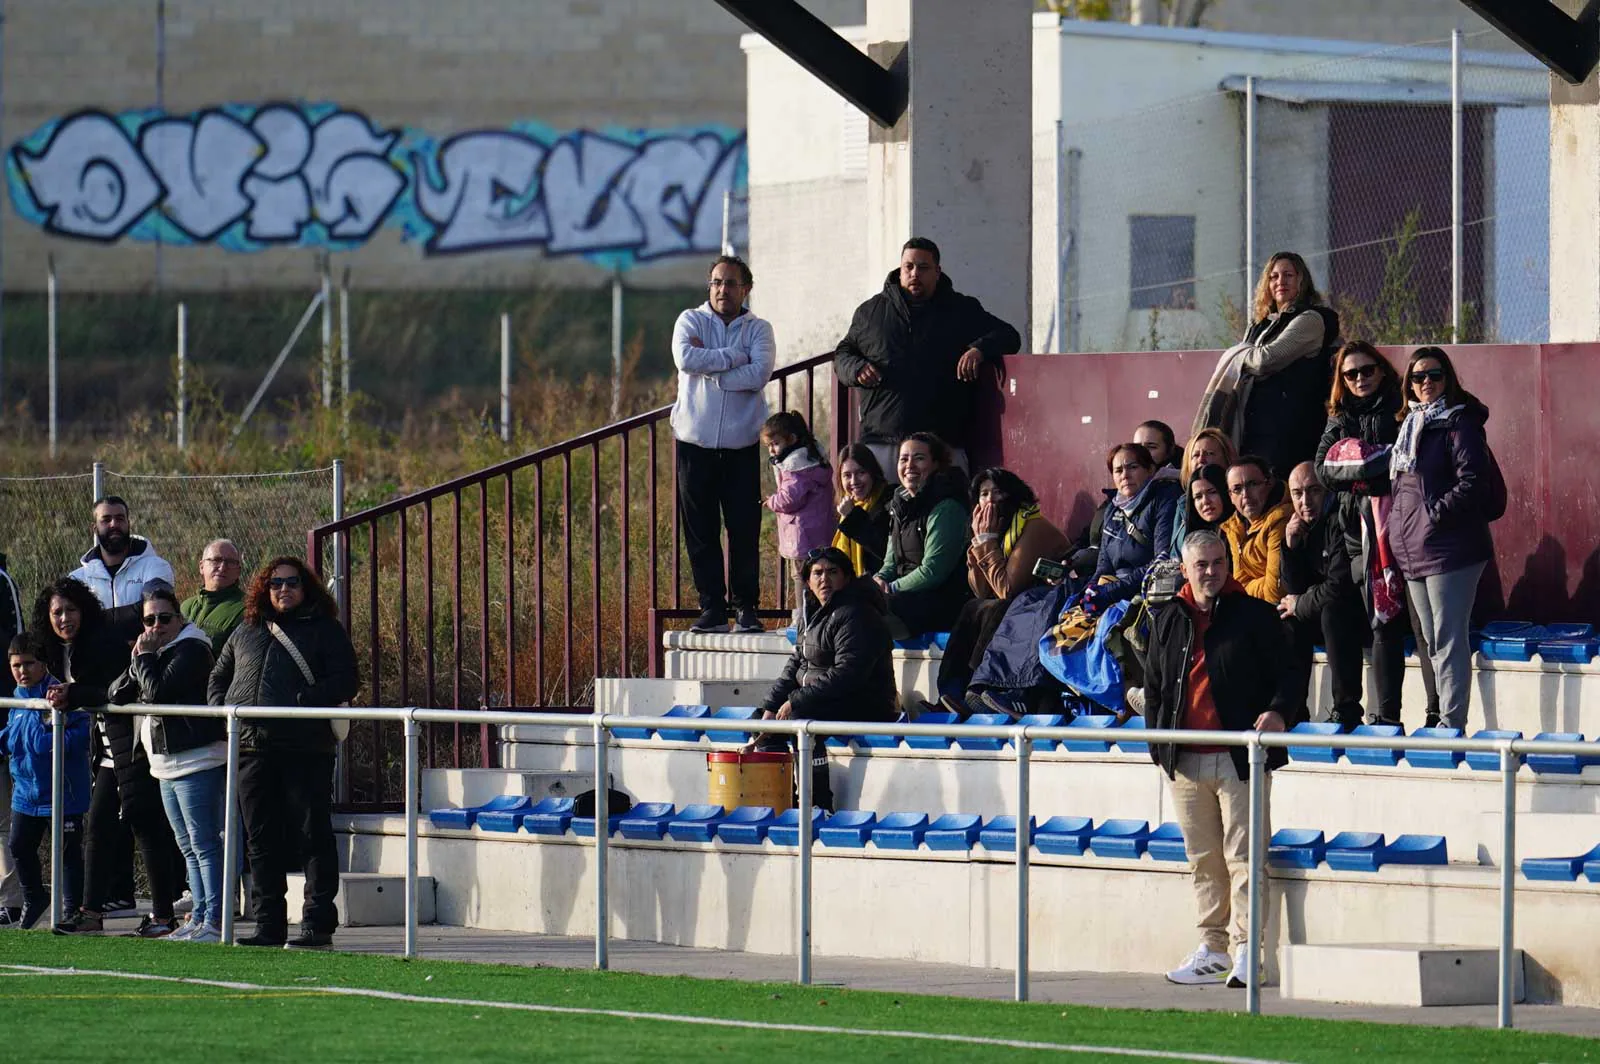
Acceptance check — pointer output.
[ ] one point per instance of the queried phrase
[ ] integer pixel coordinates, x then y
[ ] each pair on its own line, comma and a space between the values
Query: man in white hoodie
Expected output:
119, 564
725, 356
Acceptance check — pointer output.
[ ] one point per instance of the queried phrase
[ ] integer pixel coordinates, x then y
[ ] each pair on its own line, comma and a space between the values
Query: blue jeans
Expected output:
195, 806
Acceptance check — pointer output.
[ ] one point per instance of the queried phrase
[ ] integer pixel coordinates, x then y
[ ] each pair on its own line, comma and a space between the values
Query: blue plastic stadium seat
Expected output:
939, 639
647, 820
1090, 746
1489, 762
1000, 834
461, 819
1562, 764
848, 828
983, 743
1354, 850
929, 742
1064, 836
583, 826
881, 742
1446, 759
792, 634
1042, 720
695, 823
504, 813
1166, 844
899, 831
1127, 747
747, 824
1120, 838
684, 735
1297, 848
733, 713
1406, 850
1591, 870
953, 831
628, 731
1575, 651
1558, 869
1508, 641
916, 642
1388, 758
785, 830
550, 817
1322, 755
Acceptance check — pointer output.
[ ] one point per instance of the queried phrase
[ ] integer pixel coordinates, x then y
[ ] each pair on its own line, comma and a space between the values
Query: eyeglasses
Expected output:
1248, 485
721, 283
1420, 375
1360, 373
277, 583
153, 619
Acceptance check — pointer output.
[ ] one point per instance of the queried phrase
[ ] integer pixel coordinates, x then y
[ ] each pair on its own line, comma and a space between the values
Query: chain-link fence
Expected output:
1157, 215
264, 513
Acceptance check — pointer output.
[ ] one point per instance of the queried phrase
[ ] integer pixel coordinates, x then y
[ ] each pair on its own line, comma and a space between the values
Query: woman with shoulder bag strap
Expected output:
290, 651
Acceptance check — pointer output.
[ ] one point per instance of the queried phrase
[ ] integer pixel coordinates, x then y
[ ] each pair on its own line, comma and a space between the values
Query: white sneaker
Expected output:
207, 933
184, 933
1239, 977
184, 905
1200, 967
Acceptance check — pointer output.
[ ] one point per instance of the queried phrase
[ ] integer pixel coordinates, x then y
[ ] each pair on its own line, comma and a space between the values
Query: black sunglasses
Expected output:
153, 619
1419, 375
1360, 373
277, 582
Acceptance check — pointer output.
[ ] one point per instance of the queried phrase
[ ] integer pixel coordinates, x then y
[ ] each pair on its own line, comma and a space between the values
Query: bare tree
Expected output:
1173, 12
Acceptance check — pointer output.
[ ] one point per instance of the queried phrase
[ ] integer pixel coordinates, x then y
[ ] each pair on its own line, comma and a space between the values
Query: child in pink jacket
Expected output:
804, 499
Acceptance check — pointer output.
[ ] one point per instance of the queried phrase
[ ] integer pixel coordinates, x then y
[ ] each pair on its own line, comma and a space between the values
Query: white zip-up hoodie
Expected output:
721, 402
124, 589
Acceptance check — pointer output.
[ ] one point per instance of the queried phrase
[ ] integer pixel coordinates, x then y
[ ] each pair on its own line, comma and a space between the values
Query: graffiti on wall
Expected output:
247, 178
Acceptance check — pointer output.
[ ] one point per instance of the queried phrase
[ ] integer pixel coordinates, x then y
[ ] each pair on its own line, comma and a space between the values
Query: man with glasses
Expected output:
218, 607
725, 356
917, 350
1320, 604
1255, 532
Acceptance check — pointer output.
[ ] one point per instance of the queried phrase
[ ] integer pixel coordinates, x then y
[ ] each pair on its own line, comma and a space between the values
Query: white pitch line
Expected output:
664, 1017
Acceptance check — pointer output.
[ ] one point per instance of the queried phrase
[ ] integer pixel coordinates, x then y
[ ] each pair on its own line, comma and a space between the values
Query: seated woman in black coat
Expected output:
841, 667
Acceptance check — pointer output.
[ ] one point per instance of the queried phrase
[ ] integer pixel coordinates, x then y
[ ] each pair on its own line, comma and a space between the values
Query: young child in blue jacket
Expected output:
27, 741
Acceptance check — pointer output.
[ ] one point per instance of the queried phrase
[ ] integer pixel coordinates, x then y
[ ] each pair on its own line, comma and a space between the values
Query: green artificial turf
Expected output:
55, 1017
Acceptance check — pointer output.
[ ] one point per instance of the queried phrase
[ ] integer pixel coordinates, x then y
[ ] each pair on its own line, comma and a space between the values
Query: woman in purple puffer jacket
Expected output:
1447, 488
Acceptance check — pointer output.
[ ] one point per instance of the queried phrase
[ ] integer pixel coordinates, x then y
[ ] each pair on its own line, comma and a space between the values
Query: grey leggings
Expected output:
1444, 611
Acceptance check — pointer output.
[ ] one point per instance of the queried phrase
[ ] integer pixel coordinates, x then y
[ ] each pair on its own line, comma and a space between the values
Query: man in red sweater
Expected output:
1218, 662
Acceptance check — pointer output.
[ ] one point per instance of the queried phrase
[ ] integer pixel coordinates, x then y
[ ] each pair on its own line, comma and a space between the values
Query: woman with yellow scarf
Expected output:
863, 508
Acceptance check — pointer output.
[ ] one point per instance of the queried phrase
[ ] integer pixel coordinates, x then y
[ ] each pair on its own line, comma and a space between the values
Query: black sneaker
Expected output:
30, 918
996, 705
264, 937
9, 917
309, 939
83, 922
120, 907
151, 927
747, 623
711, 621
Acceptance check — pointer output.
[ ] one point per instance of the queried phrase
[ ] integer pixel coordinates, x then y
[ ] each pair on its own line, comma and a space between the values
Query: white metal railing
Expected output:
599, 725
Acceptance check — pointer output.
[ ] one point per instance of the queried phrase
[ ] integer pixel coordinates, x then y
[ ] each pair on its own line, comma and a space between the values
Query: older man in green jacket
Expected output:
218, 607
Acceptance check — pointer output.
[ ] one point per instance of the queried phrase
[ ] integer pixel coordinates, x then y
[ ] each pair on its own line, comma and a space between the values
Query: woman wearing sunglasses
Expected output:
1353, 462
1447, 488
291, 650
187, 756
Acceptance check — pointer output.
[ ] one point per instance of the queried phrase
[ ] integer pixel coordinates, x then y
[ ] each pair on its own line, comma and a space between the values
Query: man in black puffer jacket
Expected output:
916, 350
286, 765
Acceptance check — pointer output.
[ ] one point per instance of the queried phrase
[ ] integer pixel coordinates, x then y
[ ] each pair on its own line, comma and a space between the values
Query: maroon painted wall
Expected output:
1053, 417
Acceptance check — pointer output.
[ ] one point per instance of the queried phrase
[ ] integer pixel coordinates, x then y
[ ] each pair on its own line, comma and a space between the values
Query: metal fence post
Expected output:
1024, 843
97, 481
341, 597
1508, 881
327, 337
183, 383
1249, 189
803, 747
1064, 236
1258, 886
505, 378
616, 345
230, 829
602, 831
1457, 200
413, 733
51, 346
58, 824
344, 354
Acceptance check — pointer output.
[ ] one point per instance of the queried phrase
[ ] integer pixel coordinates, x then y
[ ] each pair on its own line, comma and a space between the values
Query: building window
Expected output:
1161, 258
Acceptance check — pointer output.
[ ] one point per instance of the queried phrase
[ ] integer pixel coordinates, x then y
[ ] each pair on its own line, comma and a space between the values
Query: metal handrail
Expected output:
804, 733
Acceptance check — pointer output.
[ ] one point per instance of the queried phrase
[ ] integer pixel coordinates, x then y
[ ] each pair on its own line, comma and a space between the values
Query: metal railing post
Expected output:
1508, 882
803, 746
602, 831
1024, 843
1249, 188
1258, 886
413, 782
58, 821
230, 829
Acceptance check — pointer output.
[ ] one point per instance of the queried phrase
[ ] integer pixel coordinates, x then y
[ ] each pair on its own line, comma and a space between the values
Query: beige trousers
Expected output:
1212, 805
10, 882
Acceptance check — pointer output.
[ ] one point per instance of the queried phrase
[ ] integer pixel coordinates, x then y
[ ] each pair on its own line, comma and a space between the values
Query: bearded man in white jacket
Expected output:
725, 356
120, 563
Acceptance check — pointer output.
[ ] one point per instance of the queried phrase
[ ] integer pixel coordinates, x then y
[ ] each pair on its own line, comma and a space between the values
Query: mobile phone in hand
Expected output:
1050, 570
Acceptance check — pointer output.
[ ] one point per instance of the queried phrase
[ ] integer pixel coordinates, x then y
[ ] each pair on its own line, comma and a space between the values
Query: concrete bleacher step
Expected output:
757, 660
646, 697
1386, 974
369, 899
466, 788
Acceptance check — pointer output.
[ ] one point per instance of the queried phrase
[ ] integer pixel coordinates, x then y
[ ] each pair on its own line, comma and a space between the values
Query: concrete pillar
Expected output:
957, 167
1575, 210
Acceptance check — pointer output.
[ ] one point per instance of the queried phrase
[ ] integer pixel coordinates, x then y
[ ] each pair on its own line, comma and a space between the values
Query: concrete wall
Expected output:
431, 71
1389, 21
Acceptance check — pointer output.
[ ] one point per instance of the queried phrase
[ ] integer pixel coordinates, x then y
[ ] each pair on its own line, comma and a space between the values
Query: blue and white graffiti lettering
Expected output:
315, 175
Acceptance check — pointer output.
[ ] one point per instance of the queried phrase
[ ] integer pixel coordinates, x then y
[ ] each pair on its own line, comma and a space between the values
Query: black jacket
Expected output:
255, 670
841, 668
1284, 411
175, 675
1246, 657
915, 348
908, 520
94, 660
1318, 569
870, 529
1371, 420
